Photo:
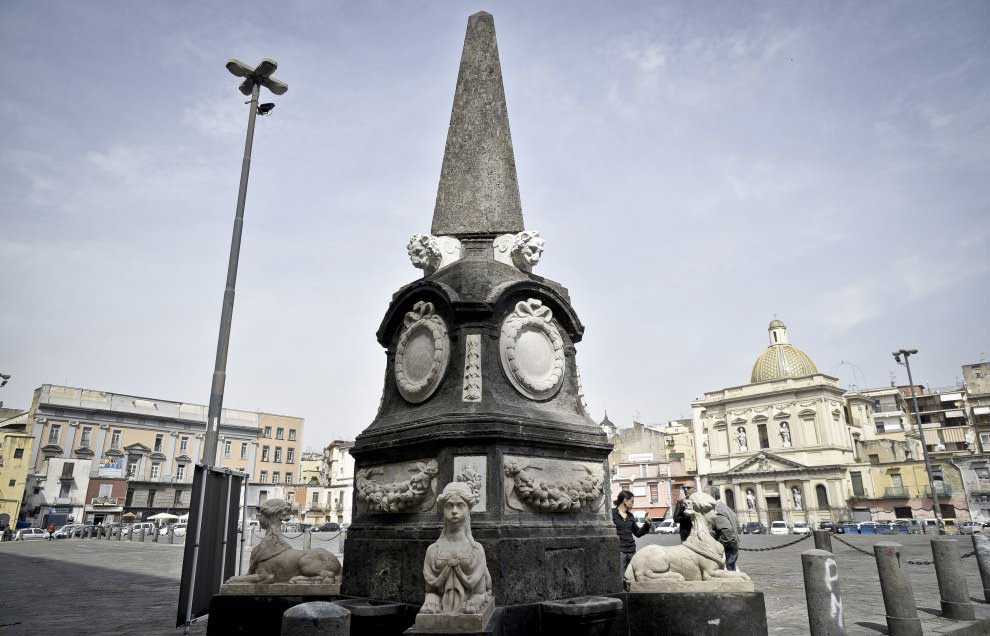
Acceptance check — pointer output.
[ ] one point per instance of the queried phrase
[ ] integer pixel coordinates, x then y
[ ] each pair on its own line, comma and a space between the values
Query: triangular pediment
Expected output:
766, 463
137, 448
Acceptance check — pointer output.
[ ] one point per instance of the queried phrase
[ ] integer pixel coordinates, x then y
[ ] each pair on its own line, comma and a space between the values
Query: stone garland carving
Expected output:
431, 253
422, 353
697, 564
458, 584
274, 561
584, 491
532, 350
472, 369
473, 479
411, 495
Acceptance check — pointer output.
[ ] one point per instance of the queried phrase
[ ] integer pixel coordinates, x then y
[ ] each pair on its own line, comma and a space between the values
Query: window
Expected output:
67, 468
268, 431
880, 428
86, 437
243, 450
180, 472
264, 477
129, 499
982, 472
106, 491
278, 454
132, 466
226, 448
292, 434
12, 482
288, 478
115, 440
159, 439
183, 444
874, 459
761, 430
275, 477
730, 498
857, 483
64, 490
985, 440
280, 433
53, 433
156, 470
262, 496
316, 498
642, 470
178, 498
18, 453
876, 406
654, 493
290, 455
897, 482
151, 497
264, 453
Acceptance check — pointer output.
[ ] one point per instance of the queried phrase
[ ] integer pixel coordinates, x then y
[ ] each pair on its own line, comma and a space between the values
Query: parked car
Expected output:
67, 531
667, 526
179, 529
149, 528
971, 527
30, 534
800, 527
831, 526
754, 527
779, 527
327, 527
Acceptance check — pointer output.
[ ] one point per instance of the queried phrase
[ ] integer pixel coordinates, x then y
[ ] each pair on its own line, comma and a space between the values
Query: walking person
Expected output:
625, 526
726, 529
51, 531
681, 517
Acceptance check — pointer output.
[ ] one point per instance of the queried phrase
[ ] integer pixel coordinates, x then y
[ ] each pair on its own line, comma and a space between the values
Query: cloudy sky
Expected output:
695, 168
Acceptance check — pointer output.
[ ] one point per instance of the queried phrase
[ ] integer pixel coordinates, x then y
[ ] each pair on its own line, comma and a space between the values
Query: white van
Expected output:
779, 527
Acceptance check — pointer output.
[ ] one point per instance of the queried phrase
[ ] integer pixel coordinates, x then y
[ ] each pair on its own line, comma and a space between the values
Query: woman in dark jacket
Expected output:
625, 526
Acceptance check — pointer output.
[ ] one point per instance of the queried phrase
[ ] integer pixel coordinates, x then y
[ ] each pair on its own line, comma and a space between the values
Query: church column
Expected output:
786, 505
761, 505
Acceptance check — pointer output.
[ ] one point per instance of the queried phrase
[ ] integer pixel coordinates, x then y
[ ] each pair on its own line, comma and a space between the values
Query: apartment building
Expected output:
15, 460
339, 467
639, 464
106, 457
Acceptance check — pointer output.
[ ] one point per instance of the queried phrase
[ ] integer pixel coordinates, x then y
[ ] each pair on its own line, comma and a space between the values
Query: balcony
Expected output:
106, 501
941, 491
859, 495
896, 492
979, 485
67, 501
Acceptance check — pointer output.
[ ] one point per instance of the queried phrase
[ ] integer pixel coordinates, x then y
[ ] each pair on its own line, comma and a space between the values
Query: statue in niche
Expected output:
741, 438
527, 248
750, 499
785, 434
455, 571
424, 253
798, 499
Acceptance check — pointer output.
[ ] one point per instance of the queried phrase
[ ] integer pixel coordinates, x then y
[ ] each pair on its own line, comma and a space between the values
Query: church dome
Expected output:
781, 359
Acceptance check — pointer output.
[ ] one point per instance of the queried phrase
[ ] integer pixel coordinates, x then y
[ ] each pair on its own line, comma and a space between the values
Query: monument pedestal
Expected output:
248, 614
692, 613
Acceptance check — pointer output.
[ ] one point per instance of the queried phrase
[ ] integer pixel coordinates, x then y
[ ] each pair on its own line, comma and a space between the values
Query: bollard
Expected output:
316, 618
951, 581
120, 532
141, 536
823, 540
154, 535
898, 595
821, 589
308, 540
171, 535
981, 544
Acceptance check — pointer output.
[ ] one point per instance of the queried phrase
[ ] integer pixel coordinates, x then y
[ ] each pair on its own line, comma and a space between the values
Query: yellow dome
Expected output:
781, 360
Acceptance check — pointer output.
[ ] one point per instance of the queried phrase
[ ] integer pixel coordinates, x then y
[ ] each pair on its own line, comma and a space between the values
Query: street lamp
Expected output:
907, 353
254, 79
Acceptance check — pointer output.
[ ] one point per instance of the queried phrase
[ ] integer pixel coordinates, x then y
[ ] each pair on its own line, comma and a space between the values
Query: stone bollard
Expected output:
821, 589
823, 540
898, 595
141, 536
981, 544
951, 581
316, 618
308, 540
120, 532
171, 535
154, 535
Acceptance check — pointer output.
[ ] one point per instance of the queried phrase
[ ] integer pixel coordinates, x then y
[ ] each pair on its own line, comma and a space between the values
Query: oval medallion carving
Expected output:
532, 350
422, 353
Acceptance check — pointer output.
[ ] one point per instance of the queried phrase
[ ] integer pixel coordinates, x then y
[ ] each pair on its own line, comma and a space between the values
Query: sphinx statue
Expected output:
696, 565
274, 561
458, 585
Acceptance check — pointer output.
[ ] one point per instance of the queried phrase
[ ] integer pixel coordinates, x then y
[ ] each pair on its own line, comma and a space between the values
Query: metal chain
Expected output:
856, 548
776, 547
908, 561
318, 538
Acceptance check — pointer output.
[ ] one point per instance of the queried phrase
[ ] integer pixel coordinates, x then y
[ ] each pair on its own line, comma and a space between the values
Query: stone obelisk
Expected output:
482, 387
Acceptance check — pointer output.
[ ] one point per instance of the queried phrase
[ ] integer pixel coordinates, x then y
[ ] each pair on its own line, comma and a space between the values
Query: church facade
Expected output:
781, 447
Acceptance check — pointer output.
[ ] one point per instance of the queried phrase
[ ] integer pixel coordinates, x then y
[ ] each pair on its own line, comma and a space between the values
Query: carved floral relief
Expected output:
532, 350
382, 489
422, 353
553, 485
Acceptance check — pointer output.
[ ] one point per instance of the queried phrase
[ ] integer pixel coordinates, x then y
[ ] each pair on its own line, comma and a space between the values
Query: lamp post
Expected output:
254, 79
936, 508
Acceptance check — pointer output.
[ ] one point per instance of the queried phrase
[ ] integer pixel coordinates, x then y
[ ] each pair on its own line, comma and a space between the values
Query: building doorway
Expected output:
774, 512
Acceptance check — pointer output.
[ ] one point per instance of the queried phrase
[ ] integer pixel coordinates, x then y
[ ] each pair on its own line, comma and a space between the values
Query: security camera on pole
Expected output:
906, 353
254, 79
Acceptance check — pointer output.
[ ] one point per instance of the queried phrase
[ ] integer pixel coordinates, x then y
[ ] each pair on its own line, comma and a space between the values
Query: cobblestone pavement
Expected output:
115, 588
778, 575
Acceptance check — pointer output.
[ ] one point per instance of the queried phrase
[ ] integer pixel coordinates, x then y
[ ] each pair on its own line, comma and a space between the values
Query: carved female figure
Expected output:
798, 499
457, 578
750, 499
785, 434
741, 438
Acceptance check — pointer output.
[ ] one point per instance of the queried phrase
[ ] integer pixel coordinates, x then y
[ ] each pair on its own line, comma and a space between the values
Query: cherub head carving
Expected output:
527, 248
424, 253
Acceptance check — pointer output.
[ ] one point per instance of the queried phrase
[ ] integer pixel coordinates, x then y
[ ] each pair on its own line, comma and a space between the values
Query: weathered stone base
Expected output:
236, 614
280, 589
457, 622
675, 586
692, 613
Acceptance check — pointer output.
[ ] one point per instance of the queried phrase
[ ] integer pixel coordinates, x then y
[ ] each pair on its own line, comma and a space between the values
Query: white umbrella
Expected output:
184, 517
162, 516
